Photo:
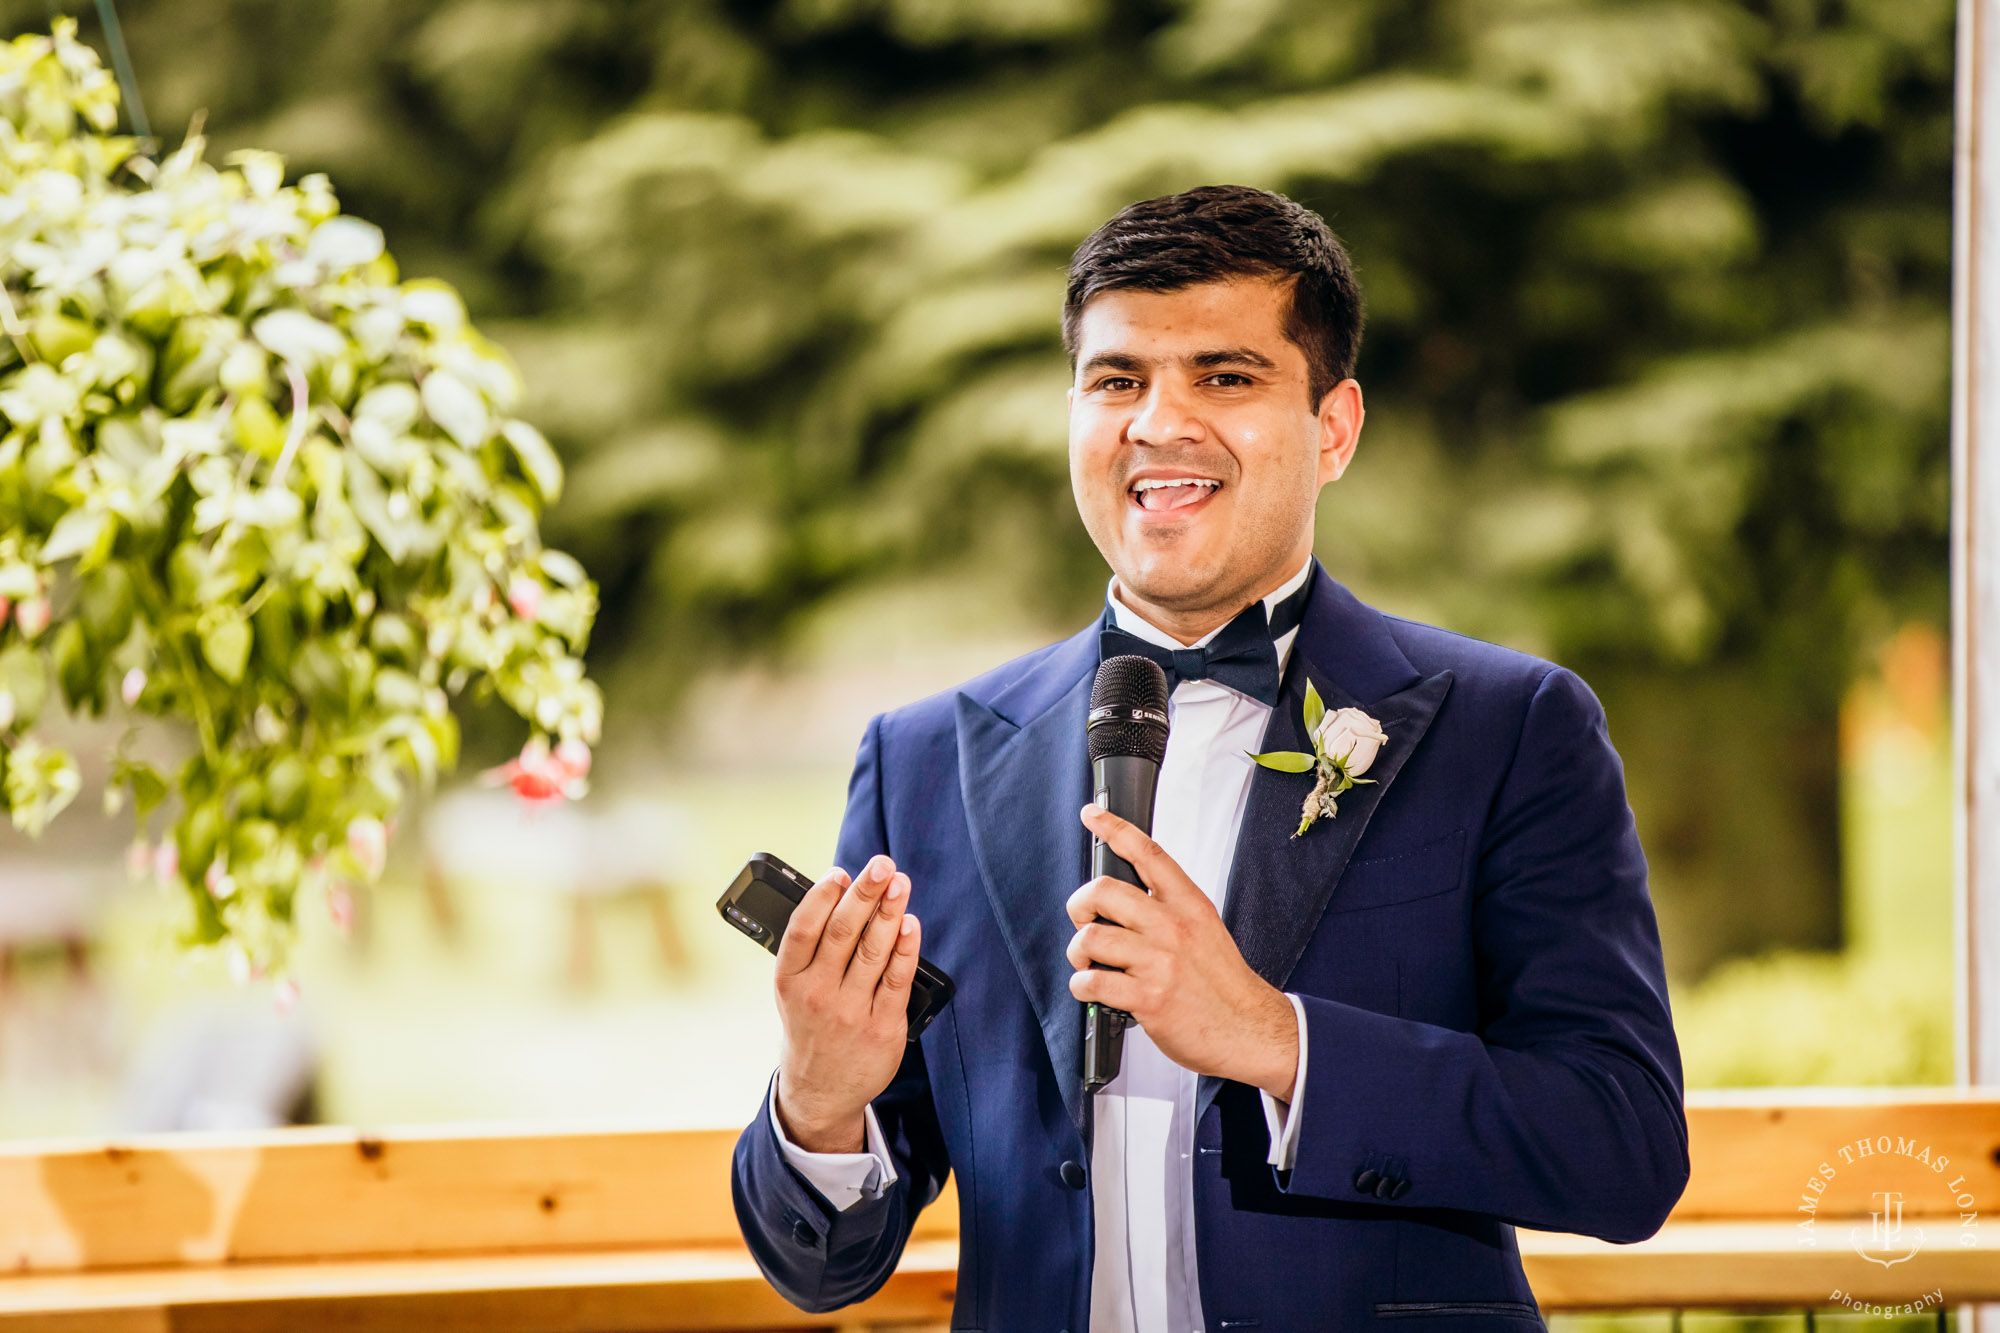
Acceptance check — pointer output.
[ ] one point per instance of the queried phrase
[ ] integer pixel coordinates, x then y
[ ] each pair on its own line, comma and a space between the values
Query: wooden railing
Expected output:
601, 1230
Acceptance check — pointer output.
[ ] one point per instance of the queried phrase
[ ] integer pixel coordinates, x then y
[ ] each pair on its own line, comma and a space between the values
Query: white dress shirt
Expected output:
1144, 1278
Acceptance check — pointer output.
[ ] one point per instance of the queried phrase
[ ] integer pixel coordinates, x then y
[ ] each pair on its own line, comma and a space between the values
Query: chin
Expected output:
1171, 580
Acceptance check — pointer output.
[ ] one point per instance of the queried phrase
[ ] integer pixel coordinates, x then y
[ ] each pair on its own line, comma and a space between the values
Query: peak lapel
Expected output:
1024, 783
1279, 886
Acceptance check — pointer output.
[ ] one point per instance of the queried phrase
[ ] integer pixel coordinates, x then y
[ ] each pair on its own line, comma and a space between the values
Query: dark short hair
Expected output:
1216, 232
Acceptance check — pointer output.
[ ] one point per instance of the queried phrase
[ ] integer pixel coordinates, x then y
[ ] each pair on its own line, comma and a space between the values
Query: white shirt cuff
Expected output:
845, 1178
1282, 1118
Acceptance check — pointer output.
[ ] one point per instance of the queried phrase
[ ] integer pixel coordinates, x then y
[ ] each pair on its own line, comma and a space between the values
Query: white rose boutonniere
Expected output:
1352, 738
1345, 744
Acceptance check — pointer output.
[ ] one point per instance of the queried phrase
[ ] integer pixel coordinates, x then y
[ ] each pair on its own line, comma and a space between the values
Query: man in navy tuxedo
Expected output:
1367, 1049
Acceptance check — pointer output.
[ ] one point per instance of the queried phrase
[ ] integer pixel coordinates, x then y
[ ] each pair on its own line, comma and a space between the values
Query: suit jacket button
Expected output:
1383, 1186
1402, 1188
1364, 1180
804, 1234
1072, 1175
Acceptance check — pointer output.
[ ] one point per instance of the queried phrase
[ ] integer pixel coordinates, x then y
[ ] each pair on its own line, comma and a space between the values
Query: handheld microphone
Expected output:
1127, 736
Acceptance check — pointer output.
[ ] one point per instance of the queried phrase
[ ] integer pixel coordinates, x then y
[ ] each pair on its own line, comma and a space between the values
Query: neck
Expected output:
1188, 624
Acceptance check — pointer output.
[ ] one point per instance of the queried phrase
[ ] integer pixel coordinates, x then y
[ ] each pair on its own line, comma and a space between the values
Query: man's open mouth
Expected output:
1162, 494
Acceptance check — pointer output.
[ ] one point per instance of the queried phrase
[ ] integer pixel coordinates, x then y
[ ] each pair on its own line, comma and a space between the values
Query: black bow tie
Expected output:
1243, 655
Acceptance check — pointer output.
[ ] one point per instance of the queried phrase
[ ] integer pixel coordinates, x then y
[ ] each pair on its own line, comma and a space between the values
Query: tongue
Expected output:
1170, 497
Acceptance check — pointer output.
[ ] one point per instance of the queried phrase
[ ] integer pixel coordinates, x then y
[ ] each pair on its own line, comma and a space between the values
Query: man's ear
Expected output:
1340, 416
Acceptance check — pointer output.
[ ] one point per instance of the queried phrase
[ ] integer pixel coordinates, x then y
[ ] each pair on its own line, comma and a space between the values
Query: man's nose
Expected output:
1166, 415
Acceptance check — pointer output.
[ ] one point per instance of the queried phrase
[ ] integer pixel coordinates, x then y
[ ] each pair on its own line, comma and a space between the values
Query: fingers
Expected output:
1101, 942
1112, 899
1120, 990
1161, 874
894, 992
802, 932
856, 908
878, 937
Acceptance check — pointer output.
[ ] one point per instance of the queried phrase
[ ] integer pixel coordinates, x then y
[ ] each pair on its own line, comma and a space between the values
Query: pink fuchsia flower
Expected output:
32, 615
340, 907
133, 686
525, 596
369, 842
285, 994
538, 774
6, 605
219, 881
574, 755
167, 860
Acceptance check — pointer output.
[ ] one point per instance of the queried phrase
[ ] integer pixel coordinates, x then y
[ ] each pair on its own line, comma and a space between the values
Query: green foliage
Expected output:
1657, 290
1657, 352
251, 482
1784, 1019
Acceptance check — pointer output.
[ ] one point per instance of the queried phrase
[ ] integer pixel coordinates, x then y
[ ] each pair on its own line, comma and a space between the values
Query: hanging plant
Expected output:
253, 484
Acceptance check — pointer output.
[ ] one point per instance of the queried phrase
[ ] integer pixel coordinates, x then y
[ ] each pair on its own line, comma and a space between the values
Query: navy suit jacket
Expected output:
1472, 939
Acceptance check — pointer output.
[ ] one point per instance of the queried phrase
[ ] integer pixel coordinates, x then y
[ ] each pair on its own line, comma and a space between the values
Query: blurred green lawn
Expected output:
416, 1024
484, 1023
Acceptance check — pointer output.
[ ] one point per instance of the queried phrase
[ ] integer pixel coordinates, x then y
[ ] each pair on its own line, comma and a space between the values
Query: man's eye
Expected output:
1229, 379
1118, 383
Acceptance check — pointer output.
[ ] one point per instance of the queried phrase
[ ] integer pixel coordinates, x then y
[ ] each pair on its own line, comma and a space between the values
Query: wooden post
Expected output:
1975, 574
1976, 538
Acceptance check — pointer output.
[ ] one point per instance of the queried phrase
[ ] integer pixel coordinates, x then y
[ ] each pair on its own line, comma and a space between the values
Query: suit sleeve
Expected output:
1563, 1111
843, 1179
817, 1256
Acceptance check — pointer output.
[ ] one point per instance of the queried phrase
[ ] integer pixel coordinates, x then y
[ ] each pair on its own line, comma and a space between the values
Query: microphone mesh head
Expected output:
1126, 684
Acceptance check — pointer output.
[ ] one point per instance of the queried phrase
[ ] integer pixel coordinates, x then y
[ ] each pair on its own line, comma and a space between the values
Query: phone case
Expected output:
759, 902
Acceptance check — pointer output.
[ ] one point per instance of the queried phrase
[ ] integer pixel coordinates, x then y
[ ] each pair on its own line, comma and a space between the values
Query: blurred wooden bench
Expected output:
598, 1230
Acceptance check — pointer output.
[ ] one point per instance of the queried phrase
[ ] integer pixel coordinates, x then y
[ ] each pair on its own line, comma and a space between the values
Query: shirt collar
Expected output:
1139, 627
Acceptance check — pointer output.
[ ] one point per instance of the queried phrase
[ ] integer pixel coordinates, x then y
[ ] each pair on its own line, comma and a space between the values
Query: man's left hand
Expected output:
1181, 975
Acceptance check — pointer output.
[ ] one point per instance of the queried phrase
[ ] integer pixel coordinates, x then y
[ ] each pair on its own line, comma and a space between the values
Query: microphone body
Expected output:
1127, 740
1126, 786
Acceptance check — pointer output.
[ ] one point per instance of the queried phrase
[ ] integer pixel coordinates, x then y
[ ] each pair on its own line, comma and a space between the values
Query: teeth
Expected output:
1159, 492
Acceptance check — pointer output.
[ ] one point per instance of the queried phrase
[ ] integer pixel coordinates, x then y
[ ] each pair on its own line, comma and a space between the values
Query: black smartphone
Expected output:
759, 901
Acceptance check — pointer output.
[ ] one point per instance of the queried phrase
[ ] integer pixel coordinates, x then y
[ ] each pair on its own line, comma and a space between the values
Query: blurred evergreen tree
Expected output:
1657, 358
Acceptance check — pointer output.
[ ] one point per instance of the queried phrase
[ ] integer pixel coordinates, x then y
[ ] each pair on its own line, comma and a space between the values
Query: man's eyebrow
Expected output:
1231, 356
1112, 361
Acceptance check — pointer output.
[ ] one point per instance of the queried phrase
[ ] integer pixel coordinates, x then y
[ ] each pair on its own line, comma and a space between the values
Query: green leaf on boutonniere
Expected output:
1286, 761
1315, 710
